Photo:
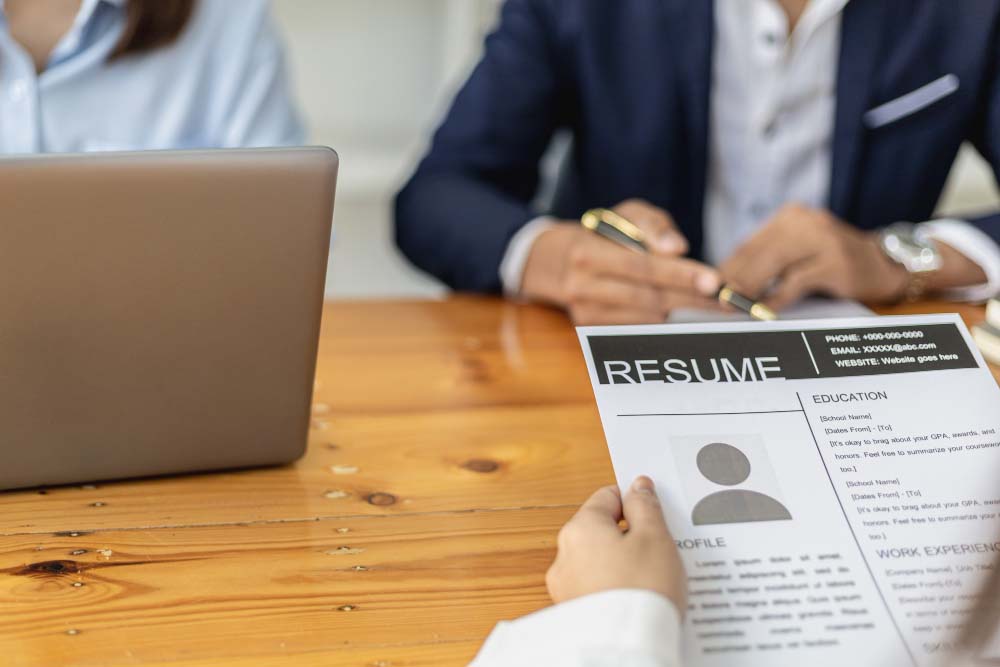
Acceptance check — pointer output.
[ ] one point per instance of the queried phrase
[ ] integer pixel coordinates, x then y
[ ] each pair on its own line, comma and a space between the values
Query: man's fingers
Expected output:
611, 291
749, 252
756, 264
758, 271
642, 509
659, 227
598, 256
799, 281
753, 266
684, 275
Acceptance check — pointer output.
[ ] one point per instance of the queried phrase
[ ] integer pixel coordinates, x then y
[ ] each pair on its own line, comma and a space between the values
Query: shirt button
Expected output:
18, 90
771, 38
770, 129
758, 210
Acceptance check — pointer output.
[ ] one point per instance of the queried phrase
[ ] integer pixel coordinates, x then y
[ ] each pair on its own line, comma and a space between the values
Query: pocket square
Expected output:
911, 102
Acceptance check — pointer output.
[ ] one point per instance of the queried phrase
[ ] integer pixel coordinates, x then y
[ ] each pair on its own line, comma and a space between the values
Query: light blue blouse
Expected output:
222, 84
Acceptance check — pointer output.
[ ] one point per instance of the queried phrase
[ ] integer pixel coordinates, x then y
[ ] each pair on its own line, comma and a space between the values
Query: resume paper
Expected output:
833, 485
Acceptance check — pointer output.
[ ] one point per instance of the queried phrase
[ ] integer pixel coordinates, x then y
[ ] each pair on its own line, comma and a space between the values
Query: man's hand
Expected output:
600, 282
596, 555
803, 251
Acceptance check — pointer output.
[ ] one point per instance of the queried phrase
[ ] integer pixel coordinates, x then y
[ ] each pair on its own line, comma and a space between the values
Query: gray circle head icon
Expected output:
723, 464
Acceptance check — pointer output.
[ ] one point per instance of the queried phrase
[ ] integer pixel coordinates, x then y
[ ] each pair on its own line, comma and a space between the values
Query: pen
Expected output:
617, 228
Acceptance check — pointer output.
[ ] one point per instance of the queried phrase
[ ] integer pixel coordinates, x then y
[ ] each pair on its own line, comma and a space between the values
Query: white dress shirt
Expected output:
221, 84
773, 103
625, 628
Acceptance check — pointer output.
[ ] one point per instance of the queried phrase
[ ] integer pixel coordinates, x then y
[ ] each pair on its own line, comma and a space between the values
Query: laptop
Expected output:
159, 311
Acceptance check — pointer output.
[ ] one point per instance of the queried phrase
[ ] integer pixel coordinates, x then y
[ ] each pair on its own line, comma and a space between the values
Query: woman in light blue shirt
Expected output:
89, 75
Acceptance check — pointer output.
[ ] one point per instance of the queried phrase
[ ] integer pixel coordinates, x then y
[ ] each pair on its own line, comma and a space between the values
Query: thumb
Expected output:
642, 509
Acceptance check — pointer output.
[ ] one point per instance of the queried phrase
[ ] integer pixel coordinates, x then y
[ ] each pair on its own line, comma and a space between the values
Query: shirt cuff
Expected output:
978, 247
516, 256
621, 627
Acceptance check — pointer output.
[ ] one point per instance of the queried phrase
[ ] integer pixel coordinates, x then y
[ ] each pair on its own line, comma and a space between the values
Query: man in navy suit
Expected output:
777, 140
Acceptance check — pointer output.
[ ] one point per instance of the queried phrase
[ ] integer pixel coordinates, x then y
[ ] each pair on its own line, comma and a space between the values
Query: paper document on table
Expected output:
833, 485
807, 309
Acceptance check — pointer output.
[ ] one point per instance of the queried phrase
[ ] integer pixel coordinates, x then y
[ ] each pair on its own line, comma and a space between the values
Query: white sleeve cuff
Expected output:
516, 255
624, 627
978, 247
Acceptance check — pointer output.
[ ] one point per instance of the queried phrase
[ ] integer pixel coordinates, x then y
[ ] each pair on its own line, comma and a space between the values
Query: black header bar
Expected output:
767, 355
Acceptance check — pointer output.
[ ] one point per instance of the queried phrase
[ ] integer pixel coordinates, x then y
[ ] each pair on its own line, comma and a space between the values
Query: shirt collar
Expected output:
73, 41
88, 7
818, 12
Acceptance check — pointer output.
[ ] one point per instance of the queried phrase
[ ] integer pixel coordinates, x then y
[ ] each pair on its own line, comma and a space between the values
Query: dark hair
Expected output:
152, 24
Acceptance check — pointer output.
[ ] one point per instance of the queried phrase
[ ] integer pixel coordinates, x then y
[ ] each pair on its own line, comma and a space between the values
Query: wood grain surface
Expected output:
450, 441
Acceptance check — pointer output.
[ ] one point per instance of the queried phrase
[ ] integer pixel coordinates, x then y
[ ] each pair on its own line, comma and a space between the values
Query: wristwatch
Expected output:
905, 244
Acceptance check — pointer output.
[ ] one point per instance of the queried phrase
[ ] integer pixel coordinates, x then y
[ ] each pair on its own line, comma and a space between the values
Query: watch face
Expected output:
929, 259
914, 251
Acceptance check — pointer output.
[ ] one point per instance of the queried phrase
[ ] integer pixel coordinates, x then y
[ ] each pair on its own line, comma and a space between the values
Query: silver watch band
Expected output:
903, 243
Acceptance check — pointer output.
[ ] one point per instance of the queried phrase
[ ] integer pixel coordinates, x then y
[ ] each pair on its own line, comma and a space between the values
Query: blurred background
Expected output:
374, 78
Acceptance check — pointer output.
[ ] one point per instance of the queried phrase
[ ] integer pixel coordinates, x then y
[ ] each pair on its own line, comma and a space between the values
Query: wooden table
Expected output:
450, 441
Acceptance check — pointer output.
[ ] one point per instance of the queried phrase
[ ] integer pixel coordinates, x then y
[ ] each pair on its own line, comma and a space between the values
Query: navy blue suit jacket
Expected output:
631, 78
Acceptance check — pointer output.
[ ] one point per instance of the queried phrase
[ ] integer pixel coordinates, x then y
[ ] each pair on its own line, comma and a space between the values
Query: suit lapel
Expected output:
692, 30
861, 34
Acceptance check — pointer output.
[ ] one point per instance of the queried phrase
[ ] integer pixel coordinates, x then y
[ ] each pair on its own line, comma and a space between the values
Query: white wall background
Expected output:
374, 77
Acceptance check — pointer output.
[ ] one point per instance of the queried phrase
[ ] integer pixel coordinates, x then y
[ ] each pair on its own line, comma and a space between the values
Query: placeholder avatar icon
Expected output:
727, 465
